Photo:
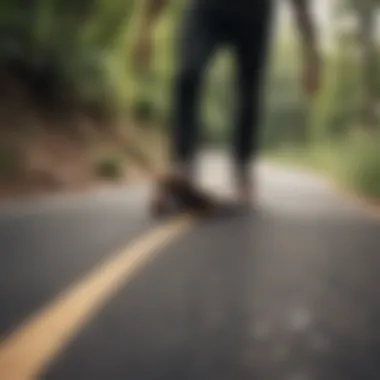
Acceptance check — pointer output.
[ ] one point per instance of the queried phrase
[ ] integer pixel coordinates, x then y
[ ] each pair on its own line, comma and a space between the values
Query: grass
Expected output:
361, 167
109, 167
354, 163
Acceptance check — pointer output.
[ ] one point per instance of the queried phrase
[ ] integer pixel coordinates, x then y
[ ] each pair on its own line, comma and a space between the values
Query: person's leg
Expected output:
198, 39
251, 51
199, 36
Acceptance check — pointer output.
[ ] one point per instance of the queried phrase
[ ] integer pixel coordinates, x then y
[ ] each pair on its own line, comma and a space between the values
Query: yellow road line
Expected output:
27, 351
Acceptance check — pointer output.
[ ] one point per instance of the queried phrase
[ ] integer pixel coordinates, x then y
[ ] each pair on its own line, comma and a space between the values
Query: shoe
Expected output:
245, 191
177, 194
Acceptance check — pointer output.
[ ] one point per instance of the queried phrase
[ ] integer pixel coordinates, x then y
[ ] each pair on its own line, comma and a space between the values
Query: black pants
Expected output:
203, 30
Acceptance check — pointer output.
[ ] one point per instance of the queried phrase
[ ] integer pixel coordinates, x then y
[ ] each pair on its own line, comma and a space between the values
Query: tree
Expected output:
364, 13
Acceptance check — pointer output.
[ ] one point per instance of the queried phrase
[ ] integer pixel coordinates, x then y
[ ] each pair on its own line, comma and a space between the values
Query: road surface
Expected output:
289, 292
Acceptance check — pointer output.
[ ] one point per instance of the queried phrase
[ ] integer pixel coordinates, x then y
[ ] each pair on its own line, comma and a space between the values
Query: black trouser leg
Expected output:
203, 31
251, 62
197, 41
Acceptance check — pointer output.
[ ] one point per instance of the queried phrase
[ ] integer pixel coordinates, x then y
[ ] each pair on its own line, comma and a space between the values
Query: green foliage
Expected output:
78, 53
339, 145
109, 167
63, 47
361, 169
353, 162
143, 110
10, 163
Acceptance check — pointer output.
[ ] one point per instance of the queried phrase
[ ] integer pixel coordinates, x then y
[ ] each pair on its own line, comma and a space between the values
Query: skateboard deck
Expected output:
174, 196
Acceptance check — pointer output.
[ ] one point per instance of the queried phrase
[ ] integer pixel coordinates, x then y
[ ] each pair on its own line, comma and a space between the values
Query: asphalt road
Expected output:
290, 292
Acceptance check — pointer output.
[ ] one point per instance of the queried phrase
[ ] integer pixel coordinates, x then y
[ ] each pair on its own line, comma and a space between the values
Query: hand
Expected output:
311, 75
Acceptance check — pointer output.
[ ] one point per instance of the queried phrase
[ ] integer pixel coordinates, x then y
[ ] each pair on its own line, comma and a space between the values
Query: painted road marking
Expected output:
27, 351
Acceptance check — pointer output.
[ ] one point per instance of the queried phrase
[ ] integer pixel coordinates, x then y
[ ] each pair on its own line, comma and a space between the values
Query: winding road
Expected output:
92, 288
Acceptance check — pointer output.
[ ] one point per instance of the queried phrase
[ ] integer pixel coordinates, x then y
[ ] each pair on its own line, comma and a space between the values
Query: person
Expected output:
244, 25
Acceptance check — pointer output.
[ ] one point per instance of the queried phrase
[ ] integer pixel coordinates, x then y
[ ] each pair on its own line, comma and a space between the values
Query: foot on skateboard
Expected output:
175, 194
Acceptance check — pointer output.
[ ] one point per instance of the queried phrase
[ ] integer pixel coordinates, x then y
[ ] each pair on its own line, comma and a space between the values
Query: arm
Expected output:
305, 24
310, 49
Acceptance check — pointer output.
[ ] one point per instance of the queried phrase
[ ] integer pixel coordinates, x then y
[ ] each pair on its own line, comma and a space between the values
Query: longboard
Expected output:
174, 195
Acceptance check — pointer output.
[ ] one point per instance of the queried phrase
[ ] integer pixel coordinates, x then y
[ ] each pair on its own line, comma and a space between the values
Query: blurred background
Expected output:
288, 292
73, 112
